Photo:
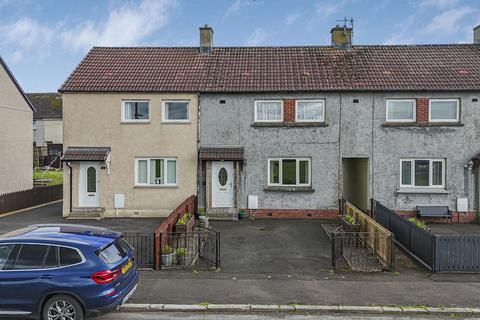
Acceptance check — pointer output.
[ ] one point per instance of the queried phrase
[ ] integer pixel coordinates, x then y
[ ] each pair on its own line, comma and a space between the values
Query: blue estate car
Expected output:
63, 271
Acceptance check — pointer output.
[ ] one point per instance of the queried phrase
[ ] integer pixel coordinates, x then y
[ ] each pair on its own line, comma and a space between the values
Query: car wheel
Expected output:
62, 307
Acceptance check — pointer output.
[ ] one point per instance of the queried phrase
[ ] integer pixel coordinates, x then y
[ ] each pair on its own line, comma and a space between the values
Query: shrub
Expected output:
350, 219
184, 219
418, 223
166, 249
201, 211
181, 251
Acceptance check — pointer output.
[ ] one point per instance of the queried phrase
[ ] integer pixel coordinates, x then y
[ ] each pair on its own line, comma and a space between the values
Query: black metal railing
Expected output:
144, 245
199, 249
358, 250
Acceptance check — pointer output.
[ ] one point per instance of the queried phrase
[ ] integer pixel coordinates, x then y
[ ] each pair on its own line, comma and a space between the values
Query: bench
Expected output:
434, 212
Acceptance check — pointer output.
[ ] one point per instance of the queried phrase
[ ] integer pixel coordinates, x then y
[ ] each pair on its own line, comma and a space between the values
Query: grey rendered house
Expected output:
286, 131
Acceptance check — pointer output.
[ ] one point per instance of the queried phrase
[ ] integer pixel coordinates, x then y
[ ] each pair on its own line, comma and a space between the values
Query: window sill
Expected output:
156, 187
176, 122
422, 191
289, 124
135, 122
420, 125
289, 189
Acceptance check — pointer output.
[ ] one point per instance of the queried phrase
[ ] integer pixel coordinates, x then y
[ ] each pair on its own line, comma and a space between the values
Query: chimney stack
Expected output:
206, 39
476, 34
342, 37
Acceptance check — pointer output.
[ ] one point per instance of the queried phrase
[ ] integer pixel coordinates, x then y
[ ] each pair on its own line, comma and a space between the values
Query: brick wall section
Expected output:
289, 111
294, 213
465, 217
422, 111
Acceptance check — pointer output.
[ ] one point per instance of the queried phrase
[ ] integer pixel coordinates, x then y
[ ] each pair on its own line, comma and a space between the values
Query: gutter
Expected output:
70, 171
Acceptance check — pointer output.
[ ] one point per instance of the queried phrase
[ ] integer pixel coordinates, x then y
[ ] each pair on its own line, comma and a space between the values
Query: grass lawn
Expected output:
57, 176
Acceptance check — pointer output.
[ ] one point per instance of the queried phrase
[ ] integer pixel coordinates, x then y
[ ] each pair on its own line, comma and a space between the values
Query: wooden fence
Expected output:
436, 252
29, 198
166, 227
382, 245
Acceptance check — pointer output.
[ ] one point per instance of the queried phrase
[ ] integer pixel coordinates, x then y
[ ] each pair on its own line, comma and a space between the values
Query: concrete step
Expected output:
222, 213
90, 213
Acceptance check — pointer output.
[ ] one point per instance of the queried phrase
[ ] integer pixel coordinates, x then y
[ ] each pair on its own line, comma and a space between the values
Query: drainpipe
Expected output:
70, 183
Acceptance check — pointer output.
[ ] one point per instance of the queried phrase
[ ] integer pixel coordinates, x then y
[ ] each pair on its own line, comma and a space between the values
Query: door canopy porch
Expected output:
227, 153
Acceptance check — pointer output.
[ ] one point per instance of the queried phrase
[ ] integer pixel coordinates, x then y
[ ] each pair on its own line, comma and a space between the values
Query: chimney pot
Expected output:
476, 34
206, 39
341, 37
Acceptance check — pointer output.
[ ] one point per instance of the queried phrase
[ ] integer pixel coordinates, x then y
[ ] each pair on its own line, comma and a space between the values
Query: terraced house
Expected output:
286, 131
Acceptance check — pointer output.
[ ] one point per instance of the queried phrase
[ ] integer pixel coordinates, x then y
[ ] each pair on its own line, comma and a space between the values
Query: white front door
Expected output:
222, 184
89, 184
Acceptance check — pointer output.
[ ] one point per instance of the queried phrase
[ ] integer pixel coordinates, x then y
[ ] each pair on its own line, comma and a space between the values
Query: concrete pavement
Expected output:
270, 316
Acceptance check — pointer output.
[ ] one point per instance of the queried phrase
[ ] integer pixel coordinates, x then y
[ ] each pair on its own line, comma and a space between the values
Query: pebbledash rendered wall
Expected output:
356, 128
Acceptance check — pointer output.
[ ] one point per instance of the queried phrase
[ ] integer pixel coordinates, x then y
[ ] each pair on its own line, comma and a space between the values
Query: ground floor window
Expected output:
289, 172
156, 171
425, 173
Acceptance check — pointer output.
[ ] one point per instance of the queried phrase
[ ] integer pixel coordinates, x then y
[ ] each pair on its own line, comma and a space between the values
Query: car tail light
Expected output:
105, 276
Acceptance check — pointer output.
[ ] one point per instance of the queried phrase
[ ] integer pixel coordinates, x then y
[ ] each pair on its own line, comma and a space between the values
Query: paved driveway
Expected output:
53, 214
273, 246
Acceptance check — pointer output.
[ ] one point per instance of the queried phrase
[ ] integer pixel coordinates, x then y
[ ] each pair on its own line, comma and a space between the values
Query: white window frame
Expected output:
255, 111
402, 120
134, 120
164, 112
165, 161
322, 101
443, 120
430, 174
297, 168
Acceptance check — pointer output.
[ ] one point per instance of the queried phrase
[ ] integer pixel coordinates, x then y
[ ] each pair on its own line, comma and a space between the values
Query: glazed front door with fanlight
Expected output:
222, 184
89, 184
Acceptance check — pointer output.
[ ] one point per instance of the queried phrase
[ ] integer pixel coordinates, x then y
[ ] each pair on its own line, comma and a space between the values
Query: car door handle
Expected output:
45, 277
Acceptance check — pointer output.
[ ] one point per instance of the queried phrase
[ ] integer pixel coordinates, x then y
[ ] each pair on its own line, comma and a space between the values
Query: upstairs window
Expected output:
422, 173
289, 172
401, 110
176, 111
269, 111
310, 111
444, 110
156, 171
136, 111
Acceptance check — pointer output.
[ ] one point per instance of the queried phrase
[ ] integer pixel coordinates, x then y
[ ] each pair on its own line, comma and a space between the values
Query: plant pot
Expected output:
347, 226
167, 259
203, 221
181, 260
185, 228
242, 215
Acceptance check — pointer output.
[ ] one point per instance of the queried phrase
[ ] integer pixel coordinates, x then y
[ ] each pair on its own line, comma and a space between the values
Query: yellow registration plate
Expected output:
127, 266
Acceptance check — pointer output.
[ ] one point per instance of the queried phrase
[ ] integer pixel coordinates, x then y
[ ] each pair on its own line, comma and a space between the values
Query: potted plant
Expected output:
419, 223
348, 223
181, 253
202, 218
185, 223
242, 214
167, 255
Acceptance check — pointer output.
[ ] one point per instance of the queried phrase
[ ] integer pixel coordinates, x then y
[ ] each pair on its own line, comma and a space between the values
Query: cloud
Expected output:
326, 9
449, 21
257, 38
125, 26
402, 34
238, 5
382, 4
291, 18
439, 4
27, 36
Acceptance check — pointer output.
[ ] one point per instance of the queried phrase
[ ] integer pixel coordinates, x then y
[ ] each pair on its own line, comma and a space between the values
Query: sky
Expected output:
42, 41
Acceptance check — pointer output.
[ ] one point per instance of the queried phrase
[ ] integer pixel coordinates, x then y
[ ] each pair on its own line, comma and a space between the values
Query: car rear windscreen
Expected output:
114, 252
